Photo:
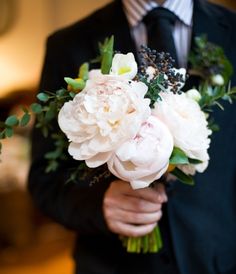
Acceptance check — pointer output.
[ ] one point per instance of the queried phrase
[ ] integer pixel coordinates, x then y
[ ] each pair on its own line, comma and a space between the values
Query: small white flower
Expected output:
193, 94
150, 71
124, 65
217, 80
145, 158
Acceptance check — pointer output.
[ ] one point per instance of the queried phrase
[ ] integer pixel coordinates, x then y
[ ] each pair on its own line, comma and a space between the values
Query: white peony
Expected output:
94, 73
188, 125
145, 158
107, 112
124, 65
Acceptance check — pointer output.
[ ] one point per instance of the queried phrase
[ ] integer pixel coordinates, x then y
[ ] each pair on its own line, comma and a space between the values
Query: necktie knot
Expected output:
159, 14
160, 25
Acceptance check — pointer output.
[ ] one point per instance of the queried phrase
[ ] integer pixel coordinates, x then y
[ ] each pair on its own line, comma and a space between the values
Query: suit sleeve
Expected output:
77, 206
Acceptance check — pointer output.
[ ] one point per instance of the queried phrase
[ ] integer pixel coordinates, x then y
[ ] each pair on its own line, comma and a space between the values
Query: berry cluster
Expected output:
164, 72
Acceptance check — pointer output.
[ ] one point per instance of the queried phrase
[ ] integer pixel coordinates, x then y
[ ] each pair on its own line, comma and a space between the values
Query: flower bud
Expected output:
194, 94
217, 80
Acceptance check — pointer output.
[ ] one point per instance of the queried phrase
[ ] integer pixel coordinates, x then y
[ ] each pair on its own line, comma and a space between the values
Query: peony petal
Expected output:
98, 160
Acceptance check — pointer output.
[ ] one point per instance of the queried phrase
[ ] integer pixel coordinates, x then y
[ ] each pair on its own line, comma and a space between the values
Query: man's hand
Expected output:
131, 212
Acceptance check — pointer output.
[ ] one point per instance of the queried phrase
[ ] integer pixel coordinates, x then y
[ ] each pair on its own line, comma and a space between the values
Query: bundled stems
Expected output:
150, 243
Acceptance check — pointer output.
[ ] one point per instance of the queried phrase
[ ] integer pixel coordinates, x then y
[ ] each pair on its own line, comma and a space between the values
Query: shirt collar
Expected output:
135, 10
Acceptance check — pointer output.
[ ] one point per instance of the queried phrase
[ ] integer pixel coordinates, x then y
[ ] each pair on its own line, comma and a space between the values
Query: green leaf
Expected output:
184, 178
107, 55
12, 121
194, 161
44, 131
61, 92
36, 108
76, 84
43, 97
51, 112
84, 71
9, 132
178, 157
52, 166
25, 109
25, 119
3, 134
72, 94
53, 154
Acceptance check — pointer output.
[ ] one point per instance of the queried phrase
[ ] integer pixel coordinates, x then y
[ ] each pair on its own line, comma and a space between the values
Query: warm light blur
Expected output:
29, 242
22, 46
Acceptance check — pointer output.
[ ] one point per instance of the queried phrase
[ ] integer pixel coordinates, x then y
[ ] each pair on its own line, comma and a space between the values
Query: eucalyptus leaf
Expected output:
43, 97
9, 132
25, 119
12, 121
53, 154
61, 92
36, 108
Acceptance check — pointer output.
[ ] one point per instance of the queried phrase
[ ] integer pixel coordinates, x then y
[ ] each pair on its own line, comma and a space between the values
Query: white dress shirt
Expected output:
135, 10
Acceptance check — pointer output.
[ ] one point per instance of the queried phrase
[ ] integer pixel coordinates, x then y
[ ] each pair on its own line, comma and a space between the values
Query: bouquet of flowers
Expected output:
135, 119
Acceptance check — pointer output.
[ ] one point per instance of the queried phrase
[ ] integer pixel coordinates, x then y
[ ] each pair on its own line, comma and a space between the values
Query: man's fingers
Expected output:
160, 188
130, 203
130, 230
130, 217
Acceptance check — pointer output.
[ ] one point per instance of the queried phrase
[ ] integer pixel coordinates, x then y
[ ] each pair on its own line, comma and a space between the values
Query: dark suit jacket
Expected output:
202, 218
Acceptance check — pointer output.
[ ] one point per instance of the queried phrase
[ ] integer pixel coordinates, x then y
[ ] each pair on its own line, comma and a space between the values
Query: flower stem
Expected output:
150, 243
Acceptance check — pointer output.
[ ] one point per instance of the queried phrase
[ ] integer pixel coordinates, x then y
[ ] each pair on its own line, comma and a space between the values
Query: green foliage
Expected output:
43, 97
106, 52
154, 88
25, 119
36, 108
208, 59
75, 84
178, 157
184, 178
12, 121
59, 152
84, 71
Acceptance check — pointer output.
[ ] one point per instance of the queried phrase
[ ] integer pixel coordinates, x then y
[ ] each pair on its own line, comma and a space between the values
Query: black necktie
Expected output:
160, 23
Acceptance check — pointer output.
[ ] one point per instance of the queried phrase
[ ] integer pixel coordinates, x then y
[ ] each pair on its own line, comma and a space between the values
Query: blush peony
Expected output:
106, 113
188, 125
145, 158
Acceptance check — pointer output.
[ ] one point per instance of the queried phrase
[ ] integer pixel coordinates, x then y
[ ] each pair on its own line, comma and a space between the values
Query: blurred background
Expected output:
29, 242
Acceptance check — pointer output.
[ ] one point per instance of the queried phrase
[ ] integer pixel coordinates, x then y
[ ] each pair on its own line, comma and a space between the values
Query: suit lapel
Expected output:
112, 21
214, 25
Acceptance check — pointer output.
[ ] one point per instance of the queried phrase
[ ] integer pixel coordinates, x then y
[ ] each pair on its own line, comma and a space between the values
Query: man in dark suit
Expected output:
199, 225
